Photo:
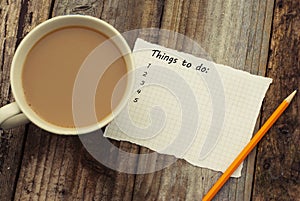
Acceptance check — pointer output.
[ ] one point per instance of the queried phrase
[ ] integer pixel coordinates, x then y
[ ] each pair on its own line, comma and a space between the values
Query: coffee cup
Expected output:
25, 63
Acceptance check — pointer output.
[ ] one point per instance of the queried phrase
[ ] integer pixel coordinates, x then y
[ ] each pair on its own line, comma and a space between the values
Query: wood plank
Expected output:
234, 33
11, 142
278, 159
59, 167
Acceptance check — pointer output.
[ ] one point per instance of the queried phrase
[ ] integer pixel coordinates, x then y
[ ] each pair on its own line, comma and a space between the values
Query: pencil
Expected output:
253, 142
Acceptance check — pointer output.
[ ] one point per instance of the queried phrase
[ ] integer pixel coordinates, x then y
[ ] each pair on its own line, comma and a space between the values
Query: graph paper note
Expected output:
189, 107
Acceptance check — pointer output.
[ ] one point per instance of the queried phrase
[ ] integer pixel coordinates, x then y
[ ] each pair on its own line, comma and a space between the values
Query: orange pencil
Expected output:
244, 153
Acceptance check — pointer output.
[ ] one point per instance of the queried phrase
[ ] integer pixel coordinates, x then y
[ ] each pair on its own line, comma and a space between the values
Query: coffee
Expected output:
50, 71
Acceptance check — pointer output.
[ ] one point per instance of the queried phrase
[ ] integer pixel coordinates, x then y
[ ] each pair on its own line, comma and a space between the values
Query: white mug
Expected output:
19, 112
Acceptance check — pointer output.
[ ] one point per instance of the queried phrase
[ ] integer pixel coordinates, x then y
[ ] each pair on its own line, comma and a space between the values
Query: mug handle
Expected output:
11, 116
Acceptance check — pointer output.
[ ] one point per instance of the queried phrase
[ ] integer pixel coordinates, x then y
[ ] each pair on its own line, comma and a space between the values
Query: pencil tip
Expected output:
291, 96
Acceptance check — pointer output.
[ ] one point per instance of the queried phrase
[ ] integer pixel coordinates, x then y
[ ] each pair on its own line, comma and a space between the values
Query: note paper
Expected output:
189, 107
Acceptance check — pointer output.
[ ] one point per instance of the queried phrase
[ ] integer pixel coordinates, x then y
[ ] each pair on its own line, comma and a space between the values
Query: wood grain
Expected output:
278, 161
11, 142
37, 165
234, 33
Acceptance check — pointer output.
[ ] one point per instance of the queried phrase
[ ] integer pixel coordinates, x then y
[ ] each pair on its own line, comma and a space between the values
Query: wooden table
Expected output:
258, 36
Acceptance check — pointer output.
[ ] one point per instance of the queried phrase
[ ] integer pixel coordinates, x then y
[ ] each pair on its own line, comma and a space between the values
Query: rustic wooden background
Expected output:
258, 36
